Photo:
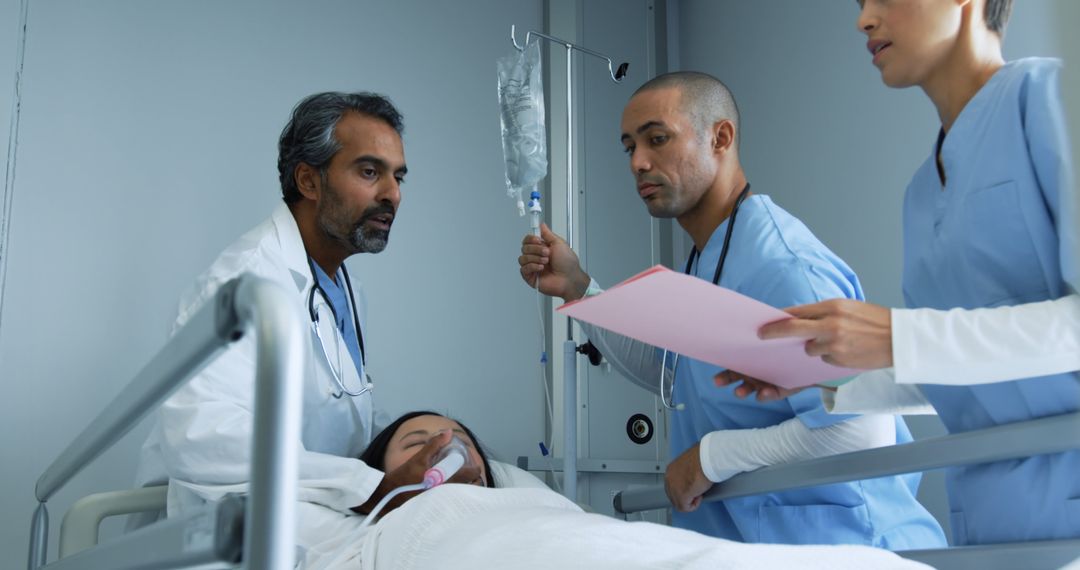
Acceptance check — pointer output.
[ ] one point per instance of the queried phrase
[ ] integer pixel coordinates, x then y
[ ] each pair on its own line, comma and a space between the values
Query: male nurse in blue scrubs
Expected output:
984, 229
680, 131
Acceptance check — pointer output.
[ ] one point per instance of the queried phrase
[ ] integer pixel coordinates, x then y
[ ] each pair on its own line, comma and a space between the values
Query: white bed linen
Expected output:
333, 539
458, 526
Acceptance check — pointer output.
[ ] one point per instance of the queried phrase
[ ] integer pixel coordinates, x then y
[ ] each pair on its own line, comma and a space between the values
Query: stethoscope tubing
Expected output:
314, 315
716, 281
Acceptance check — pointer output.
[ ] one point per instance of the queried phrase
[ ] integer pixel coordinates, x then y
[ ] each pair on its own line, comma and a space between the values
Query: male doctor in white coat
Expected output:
341, 164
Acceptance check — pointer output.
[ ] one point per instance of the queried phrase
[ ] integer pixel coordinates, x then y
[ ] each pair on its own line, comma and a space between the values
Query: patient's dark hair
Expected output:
375, 454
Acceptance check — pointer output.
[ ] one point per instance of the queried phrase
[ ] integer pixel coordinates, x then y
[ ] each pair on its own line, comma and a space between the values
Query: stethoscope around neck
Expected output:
666, 394
313, 311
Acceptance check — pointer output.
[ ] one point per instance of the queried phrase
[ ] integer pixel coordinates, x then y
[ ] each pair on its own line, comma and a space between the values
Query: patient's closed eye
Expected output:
414, 439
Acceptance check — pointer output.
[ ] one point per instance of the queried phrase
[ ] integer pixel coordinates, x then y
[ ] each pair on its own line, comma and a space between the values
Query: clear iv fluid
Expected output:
521, 116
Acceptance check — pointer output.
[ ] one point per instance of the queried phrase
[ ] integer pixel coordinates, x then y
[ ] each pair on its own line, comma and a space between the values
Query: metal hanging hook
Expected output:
513, 38
617, 75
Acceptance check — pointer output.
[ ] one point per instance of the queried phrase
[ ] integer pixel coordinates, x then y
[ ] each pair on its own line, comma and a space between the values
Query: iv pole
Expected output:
570, 348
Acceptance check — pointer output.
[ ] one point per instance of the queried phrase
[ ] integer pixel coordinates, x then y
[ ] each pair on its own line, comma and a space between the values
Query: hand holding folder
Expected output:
699, 320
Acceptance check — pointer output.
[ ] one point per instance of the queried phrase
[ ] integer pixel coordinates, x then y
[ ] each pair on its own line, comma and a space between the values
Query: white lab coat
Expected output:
201, 442
964, 348
980, 346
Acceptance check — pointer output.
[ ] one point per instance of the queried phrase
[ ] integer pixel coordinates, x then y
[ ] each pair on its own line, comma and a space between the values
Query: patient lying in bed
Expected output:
494, 524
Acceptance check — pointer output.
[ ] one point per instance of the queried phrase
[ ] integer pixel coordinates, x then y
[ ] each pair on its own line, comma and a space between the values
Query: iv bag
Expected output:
521, 113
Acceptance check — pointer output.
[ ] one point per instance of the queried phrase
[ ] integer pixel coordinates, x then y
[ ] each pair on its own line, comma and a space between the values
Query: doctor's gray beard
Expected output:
359, 238
366, 240
333, 218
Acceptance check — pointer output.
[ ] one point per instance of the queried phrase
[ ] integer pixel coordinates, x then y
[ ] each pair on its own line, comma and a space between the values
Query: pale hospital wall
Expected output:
149, 143
823, 136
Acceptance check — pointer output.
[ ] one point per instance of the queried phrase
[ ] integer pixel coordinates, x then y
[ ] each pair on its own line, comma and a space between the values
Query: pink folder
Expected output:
697, 319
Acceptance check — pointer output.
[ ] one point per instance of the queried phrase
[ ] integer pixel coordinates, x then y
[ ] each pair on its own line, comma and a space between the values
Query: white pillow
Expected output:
507, 475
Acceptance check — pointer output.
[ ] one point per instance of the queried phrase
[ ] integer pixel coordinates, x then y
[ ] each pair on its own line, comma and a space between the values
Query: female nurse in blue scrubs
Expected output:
985, 224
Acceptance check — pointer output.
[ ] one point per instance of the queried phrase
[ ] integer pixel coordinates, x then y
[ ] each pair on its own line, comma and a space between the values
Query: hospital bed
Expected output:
256, 530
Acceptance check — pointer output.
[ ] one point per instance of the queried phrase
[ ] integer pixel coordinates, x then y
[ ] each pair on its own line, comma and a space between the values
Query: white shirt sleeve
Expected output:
980, 346
876, 392
727, 453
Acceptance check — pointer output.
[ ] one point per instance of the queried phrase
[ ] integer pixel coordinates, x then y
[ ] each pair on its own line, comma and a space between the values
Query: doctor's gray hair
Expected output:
308, 138
705, 99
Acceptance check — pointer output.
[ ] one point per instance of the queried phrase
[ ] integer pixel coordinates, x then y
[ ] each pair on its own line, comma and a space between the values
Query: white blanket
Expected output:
328, 539
458, 526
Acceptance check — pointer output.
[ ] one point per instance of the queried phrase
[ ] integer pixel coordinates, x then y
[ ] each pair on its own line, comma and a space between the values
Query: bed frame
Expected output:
256, 530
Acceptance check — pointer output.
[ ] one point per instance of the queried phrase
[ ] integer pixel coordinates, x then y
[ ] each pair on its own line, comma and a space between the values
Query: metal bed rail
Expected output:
245, 305
1050, 554
1052, 434
207, 537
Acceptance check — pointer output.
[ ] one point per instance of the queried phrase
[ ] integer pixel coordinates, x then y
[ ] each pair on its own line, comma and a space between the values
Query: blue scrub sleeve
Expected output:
1050, 152
800, 281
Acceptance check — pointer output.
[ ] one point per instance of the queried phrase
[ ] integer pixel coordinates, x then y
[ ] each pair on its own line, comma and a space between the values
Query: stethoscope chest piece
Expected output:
314, 312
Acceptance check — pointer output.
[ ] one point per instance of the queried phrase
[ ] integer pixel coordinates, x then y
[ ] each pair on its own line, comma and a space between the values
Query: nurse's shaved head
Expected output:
704, 98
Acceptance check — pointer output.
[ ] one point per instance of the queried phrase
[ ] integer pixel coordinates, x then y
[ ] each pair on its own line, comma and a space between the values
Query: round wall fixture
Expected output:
639, 428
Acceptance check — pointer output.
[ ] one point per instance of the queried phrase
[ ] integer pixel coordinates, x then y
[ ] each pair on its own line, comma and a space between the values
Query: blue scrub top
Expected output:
990, 237
775, 259
338, 299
